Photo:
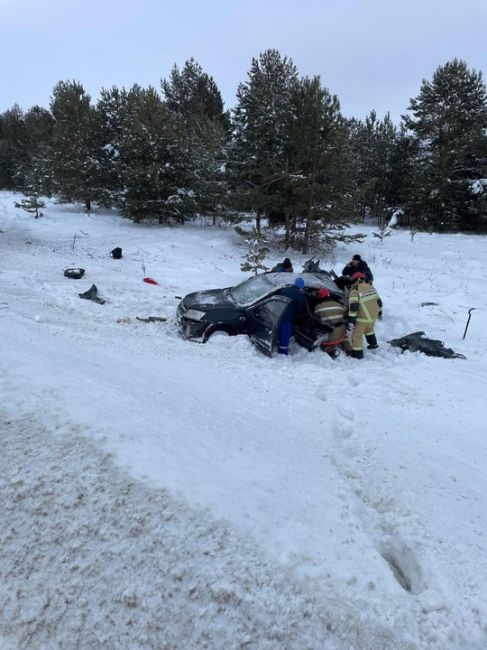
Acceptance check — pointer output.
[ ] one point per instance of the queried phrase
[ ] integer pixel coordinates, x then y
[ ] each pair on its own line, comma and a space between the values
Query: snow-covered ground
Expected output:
158, 493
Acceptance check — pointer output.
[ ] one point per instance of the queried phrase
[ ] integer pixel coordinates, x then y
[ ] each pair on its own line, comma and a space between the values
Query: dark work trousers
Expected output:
285, 329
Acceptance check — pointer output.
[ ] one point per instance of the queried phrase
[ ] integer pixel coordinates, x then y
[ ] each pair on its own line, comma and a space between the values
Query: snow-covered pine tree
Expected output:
12, 151
257, 251
75, 163
111, 108
32, 203
373, 145
261, 119
405, 174
320, 190
32, 176
192, 93
198, 183
148, 154
449, 122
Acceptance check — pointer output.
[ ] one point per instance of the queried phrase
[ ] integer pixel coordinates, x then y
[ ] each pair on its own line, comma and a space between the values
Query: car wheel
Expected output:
221, 331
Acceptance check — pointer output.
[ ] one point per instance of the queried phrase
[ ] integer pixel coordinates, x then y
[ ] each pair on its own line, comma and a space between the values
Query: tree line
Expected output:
285, 152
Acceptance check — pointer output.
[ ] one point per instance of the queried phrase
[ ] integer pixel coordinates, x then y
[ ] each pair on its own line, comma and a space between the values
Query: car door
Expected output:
263, 322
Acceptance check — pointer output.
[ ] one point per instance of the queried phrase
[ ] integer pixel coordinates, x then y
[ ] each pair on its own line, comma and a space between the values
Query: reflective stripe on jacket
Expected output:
363, 303
330, 310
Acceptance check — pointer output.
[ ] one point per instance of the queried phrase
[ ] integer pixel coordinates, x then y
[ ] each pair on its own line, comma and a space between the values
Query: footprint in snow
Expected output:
404, 566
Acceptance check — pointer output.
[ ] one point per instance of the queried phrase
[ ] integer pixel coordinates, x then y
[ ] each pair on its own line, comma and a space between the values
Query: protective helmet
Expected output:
322, 293
299, 282
357, 276
286, 264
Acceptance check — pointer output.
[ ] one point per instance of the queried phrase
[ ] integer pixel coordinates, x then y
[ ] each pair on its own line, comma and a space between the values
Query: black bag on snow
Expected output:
74, 274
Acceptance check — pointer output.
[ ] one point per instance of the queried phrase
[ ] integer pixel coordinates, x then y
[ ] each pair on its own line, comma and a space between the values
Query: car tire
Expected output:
218, 331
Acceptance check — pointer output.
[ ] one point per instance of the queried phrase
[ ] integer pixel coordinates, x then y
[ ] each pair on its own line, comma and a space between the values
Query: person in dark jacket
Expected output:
283, 267
295, 309
358, 265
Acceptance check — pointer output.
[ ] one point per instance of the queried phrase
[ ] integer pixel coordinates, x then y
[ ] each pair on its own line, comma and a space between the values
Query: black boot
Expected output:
357, 354
372, 342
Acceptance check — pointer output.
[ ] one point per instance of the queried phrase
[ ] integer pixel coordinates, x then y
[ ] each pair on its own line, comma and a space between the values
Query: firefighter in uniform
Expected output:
331, 311
364, 307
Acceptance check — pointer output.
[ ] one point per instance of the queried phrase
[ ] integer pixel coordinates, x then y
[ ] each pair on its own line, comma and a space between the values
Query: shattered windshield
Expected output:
251, 290
259, 286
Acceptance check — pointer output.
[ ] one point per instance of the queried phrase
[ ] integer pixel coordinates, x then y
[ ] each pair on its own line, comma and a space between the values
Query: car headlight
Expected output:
195, 314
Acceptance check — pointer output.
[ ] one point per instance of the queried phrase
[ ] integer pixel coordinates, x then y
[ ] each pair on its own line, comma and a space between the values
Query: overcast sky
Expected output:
371, 53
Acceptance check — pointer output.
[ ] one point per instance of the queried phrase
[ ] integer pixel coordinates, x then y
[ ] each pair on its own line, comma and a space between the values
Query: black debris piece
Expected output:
116, 253
92, 294
417, 342
74, 274
152, 319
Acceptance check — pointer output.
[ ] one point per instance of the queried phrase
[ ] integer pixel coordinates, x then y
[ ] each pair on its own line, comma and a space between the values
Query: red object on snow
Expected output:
150, 281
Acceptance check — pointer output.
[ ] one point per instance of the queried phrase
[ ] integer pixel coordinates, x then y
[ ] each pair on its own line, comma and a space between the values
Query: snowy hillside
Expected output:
158, 493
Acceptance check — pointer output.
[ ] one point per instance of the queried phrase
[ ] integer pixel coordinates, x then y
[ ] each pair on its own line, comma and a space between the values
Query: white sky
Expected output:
371, 53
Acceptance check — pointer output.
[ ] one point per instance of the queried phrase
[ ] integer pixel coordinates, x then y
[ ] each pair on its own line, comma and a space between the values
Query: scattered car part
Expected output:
417, 342
92, 294
152, 319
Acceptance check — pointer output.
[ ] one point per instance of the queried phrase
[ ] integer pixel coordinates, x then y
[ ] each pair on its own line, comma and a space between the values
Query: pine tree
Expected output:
374, 145
257, 251
194, 94
149, 156
32, 203
449, 122
112, 111
76, 155
12, 149
195, 102
320, 188
261, 130
35, 171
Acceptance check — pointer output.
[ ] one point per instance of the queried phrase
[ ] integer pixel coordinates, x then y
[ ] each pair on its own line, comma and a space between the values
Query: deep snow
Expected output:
157, 493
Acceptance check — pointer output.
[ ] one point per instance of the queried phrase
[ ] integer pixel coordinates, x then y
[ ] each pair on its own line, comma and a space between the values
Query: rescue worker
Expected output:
364, 307
358, 265
333, 312
296, 308
283, 267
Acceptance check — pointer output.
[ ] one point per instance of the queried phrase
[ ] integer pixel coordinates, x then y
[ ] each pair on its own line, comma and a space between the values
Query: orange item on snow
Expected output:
150, 281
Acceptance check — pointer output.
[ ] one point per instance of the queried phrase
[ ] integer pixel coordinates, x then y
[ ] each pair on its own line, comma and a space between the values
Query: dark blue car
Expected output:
255, 308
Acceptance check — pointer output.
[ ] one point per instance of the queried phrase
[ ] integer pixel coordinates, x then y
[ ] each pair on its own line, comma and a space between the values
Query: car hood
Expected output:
207, 300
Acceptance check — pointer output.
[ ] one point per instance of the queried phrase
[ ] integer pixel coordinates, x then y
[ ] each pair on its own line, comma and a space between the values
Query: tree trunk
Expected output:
87, 204
258, 216
286, 209
287, 238
306, 235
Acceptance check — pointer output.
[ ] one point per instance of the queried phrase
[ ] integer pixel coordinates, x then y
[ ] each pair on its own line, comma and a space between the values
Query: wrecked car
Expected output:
255, 308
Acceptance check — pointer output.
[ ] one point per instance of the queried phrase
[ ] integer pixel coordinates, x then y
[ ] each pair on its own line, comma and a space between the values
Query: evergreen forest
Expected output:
284, 154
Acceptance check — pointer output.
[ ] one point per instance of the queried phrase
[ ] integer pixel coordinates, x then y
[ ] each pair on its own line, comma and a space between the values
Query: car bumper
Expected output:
190, 329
